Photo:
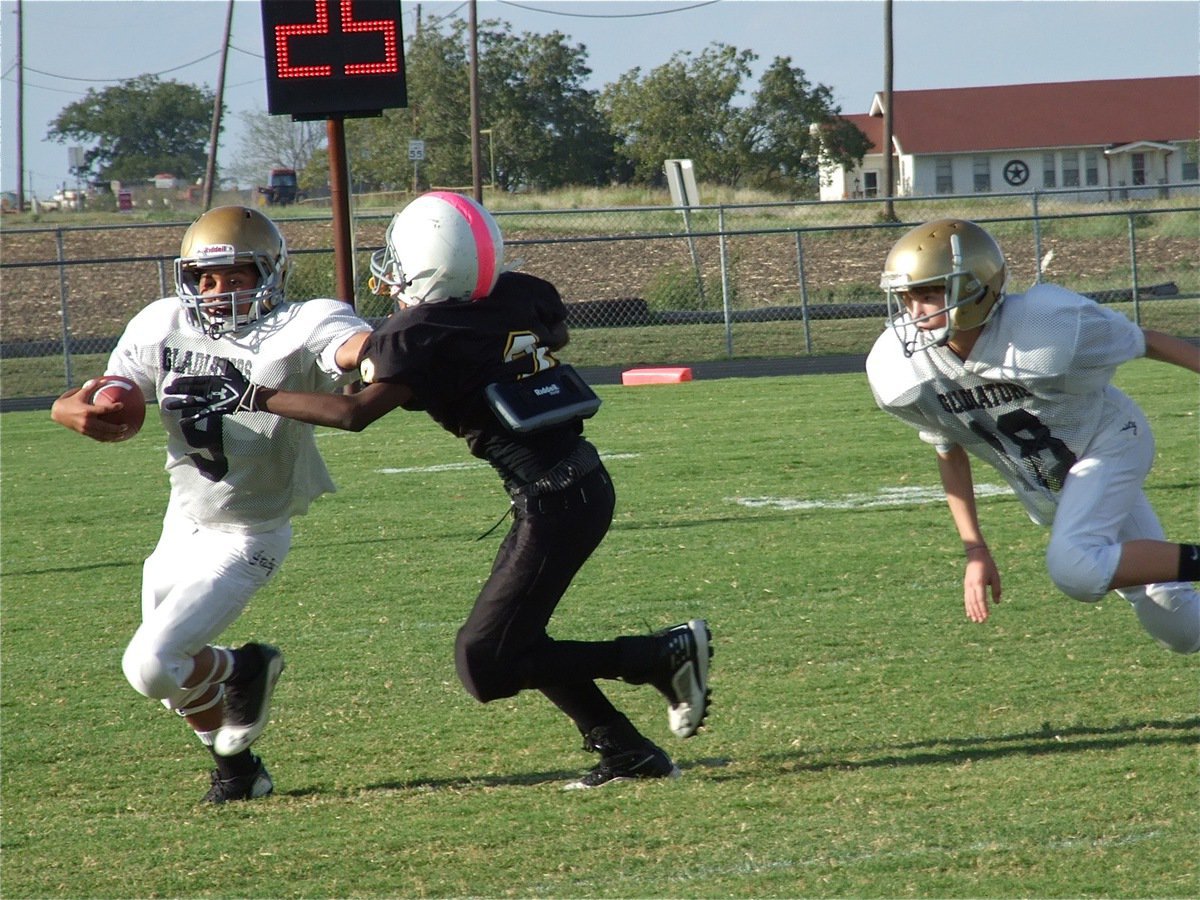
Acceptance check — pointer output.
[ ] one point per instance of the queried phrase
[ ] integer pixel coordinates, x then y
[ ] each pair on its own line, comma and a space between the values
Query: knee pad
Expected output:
158, 673
1080, 571
151, 673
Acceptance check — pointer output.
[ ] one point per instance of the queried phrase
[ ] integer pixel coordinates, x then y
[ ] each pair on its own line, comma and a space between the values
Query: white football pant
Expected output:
194, 585
1102, 505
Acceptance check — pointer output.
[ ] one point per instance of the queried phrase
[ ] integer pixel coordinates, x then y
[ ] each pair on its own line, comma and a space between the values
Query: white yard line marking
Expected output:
476, 464
884, 497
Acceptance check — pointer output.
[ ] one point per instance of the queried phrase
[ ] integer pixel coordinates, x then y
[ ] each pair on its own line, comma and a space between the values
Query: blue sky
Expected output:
71, 45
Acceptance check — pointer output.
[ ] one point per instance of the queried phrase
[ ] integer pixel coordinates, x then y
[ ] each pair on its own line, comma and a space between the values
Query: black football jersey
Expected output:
447, 353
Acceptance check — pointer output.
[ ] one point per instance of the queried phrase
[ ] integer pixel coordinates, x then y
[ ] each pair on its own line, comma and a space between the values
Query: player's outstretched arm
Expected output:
72, 411
981, 575
1170, 349
349, 412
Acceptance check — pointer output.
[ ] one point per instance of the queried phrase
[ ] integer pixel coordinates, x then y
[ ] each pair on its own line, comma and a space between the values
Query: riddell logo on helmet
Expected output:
213, 250
548, 389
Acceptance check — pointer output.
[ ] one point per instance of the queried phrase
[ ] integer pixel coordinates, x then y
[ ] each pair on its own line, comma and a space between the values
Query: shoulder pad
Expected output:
892, 375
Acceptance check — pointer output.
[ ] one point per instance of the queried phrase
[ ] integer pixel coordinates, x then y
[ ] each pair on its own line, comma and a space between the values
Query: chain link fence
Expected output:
644, 285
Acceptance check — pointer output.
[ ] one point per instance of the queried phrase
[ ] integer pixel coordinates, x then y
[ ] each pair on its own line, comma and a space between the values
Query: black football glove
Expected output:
201, 396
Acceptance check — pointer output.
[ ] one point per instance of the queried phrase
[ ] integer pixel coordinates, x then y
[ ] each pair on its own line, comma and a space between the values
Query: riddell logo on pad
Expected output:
548, 389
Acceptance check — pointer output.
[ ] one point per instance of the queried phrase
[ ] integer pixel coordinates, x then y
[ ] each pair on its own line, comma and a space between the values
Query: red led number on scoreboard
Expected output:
284, 33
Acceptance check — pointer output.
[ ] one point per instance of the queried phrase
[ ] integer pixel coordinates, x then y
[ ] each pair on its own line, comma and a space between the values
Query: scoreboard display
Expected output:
333, 58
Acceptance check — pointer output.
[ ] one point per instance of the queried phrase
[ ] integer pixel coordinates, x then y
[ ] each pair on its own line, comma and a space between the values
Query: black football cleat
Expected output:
242, 787
682, 675
640, 758
248, 705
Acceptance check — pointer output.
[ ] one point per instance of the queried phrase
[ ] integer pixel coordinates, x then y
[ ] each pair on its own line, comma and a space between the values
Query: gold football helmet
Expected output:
957, 255
231, 236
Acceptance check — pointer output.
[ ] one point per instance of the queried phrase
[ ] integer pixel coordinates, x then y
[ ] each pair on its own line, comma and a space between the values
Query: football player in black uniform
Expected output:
473, 347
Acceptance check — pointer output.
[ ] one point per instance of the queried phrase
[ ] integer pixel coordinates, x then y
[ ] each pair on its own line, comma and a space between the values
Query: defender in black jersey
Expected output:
474, 349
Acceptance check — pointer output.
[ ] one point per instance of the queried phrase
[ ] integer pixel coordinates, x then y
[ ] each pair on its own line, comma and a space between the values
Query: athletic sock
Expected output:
244, 763
1189, 562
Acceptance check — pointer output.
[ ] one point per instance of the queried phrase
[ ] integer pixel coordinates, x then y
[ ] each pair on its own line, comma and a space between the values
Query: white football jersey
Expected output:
248, 472
1033, 393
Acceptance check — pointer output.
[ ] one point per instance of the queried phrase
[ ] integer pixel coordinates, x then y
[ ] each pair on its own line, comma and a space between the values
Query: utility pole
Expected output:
20, 113
210, 172
889, 177
476, 162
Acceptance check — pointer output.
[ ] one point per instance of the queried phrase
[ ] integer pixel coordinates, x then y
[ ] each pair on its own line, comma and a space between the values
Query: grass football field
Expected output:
866, 739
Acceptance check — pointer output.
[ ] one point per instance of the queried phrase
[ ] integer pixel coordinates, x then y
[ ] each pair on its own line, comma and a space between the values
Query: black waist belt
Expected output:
569, 470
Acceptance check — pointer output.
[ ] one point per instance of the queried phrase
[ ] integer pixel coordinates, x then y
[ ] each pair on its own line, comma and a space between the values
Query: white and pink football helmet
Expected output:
442, 246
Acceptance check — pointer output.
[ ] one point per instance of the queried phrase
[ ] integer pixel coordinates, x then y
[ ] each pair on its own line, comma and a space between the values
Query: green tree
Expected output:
684, 109
545, 128
687, 108
139, 128
794, 124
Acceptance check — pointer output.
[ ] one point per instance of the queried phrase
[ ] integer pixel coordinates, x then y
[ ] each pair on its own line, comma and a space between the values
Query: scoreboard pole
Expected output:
339, 198
333, 59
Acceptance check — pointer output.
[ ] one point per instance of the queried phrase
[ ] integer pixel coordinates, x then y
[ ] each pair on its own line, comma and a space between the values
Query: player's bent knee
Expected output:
1082, 573
485, 677
150, 674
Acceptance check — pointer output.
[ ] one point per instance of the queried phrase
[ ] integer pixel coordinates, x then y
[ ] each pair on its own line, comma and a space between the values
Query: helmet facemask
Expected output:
230, 311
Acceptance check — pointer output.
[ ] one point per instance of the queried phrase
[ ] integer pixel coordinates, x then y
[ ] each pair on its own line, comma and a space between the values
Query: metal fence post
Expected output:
64, 309
726, 299
1137, 306
803, 293
1037, 241
162, 278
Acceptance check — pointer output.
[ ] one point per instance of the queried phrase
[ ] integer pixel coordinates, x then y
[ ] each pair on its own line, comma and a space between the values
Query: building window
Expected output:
1191, 170
1139, 168
1048, 178
944, 171
870, 184
1070, 173
1091, 168
983, 174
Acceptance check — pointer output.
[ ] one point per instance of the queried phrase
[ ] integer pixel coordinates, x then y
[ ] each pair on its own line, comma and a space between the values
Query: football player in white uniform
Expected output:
237, 477
1022, 381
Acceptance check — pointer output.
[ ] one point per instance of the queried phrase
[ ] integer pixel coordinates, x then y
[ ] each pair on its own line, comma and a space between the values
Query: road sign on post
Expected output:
333, 60
681, 179
416, 152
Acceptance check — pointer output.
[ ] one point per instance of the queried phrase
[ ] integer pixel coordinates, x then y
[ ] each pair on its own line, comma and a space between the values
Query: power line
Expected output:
118, 80
247, 52
553, 12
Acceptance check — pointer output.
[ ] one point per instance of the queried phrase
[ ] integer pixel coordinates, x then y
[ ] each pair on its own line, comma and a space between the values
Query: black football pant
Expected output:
503, 646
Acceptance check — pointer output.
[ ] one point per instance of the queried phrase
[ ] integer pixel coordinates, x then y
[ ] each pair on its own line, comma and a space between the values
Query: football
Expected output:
115, 389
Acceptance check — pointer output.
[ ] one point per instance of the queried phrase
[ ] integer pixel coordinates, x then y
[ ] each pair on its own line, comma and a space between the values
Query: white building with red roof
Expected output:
1136, 135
